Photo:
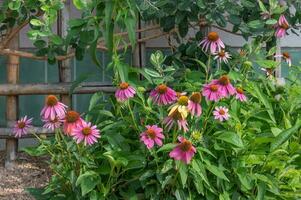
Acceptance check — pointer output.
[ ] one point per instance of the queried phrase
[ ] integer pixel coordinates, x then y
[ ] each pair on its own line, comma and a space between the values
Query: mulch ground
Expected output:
28, 172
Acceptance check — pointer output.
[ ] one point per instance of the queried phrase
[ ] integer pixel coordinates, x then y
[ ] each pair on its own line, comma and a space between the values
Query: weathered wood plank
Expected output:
53, 88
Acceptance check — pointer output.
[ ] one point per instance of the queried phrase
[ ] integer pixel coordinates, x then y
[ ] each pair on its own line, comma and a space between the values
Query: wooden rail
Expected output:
53, 88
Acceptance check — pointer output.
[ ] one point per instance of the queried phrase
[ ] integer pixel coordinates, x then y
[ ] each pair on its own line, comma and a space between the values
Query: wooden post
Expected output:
12, 103
65, 75
139, 54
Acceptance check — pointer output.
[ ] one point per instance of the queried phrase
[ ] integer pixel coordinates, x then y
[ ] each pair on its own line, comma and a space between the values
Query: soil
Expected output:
27, 172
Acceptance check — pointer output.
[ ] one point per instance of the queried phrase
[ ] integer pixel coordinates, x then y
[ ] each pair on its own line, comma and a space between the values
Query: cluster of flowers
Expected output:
55, 115
181, 107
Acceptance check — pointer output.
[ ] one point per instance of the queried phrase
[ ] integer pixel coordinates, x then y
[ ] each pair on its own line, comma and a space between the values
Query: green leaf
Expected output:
40, 44
14, 5
76, 22
57, 40
183, 173
216, 171
271, 21
93, 53
109, 25
36, 22
261, 6
285, 135
231, 138
167, 147
270, 64
130, 23
80, 4
261, 97
255, 24
152, 73
87, 181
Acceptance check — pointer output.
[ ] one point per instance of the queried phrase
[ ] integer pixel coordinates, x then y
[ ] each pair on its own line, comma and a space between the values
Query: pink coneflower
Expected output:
213, 41
124, 92
53, 108
184, 151
86, 132
194, 106
222, 56
286, 56
72, 120
240, 94
225, 86
53, 124
176, 118
163, 95
21, 126
152, 135
281, 27
212, 92
221, 113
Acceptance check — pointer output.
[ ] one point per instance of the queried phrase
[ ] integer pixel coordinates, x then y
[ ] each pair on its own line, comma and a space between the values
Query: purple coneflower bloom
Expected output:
286, 56
21, 126
184, 151
240, 94
212, 92
213, 42
194, 106
225, 86
176, 118
53, 108
222, 56
86, 132
281, 27
72, 120
153, 135
221, 113
53, 124
163, 95
124, 92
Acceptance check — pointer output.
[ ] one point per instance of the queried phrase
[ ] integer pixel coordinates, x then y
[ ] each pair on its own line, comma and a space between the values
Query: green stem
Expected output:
212, 105
133, 117
208, 67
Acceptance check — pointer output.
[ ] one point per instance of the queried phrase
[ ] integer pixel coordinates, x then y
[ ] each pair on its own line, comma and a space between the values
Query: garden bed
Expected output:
28, 172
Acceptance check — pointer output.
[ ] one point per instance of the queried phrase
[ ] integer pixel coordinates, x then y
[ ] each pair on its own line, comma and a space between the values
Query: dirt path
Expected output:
27, 172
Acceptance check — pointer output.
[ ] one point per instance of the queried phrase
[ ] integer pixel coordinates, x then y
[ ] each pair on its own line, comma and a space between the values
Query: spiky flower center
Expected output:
176, 115
284, 26
51, 100
123, 85
21, 125
196, 97
72, 116
242, 53
222, 53
214, 87
151, 133
183, 100
213, 36
286, 55
239, 90
224, 80
185, 146
86, 131
221, 112
162, 89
